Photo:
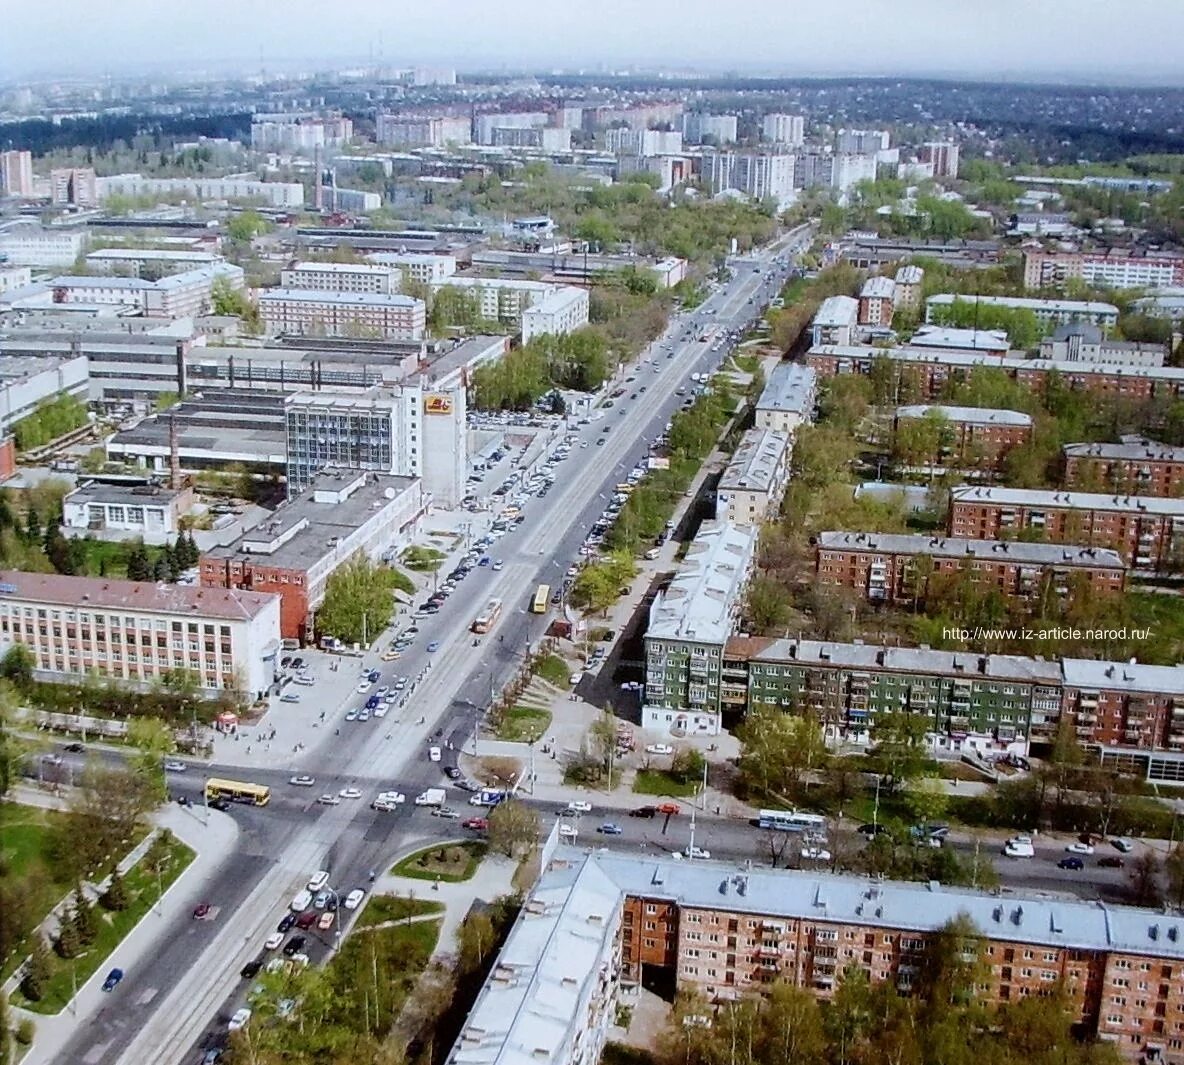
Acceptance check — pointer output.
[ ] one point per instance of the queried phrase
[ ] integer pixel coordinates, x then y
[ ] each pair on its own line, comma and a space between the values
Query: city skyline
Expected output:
922, 37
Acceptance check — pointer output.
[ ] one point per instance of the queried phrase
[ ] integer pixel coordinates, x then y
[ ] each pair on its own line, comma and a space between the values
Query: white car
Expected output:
567, 830
388, 800
575, 679
1015, 849
175, 767
273, 941
815, 854
579, 806
302, 780
659, 748
433, 754
364, 687
329, 800
350, 793
1079, 848
354, 899
696, 852
241, 1019
300, 901
318, 880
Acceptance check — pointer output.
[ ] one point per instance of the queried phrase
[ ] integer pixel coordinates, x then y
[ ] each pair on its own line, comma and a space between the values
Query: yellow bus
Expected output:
488, 617
238, 791
541, 596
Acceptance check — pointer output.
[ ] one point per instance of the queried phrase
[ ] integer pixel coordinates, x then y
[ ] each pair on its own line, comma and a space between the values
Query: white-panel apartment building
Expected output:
560, 312
788, 130
340, 277
421, 267
308, 312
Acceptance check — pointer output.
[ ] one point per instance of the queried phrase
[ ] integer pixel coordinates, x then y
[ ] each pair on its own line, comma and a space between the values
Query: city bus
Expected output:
488, 617
542, 595
791, 821
238, 791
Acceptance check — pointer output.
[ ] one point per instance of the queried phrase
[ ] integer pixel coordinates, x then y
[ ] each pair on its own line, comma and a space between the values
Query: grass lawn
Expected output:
660, 782
554, 670
383, 908
422, 559
523, 724
113, 927
452, 862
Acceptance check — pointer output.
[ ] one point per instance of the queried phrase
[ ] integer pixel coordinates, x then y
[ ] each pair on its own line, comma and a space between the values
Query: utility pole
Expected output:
876, 805
703, 789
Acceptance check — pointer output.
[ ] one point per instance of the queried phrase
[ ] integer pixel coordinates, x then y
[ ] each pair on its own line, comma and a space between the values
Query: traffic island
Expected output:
450, 863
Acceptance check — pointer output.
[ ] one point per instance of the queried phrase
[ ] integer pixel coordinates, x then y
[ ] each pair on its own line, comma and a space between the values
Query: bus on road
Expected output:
542, 595
238, 791
488, 617
791, 821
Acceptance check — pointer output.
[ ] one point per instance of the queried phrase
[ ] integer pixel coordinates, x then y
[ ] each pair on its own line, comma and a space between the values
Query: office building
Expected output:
183, 295
1047, 312
942, 156
1148, 531
1079, 342
689, 623
975, 437
340, 277
1134, 466
138, 631
861, 141
788, 398
294, 551
700, 128
1116, 267
877, 302
562, 311
272, 193
14, 277
73, 187
753, 482
907, 293
595, 922
398, 131
150, 512
301, 312
16, 174
299, 132
25, 243
899, 569
788, 130
835, 320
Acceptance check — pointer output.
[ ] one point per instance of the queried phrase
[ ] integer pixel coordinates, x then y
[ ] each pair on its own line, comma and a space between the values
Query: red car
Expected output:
477, 824
201, 911
668, 808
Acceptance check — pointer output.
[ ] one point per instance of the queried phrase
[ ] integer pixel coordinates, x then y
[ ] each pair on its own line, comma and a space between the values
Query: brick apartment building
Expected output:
1119, 704
891, 569
730, 932
1147, 531
876, 302
1135, 465
976, 437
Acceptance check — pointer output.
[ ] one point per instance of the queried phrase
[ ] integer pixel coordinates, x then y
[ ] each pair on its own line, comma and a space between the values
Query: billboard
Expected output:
437, 403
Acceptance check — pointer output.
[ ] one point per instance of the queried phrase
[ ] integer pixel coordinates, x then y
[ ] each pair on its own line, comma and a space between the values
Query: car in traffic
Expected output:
1080, 848
433, 647
580, 806
302, 780
350, 793
644, 811
329, 800
113, 978
1071, 862
201, 912
447, 812
609, 828
476, 824
452, 773
1122, 844
1112, 861
173, 766
434, 754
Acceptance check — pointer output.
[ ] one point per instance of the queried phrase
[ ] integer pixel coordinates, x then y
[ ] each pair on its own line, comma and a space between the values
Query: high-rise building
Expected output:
862, 141
16, 173
73, 186
944, 157
399, 131
300, 131
789, 130
698, 127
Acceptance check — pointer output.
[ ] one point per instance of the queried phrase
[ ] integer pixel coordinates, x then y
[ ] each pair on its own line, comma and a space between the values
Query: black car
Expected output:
468, 785
219, 804
251, 969
286, 922
644, 811
285, 662
75, 748
297, 663
294, 945
452, 773
1112, 861
1070, 863
872, 831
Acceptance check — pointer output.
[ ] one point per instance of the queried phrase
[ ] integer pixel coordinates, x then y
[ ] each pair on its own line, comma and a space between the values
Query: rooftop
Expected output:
970, 415
1019, 552
103, 592
1134, 450
1088, 308
558, 300
697, 604
837, 311
345, 299
339, 268
932, 336
756, 462
910, 275
130, 495
790, 388
876, 288
1041, 497
1132, 676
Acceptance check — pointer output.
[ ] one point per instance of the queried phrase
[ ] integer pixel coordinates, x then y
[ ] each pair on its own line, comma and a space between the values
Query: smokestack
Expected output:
174, 455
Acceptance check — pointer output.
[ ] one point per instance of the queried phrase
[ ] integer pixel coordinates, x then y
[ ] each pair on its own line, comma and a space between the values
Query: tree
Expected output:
926, 800
13, 746
900, 745
513, 828
153, 740
5, 1031
35, 980
115, 897
767, 606
476, 940
68, 943
359, 601
953, 966
1144, 880
103, 816
779, 750
82, 917
138, 567
688, 765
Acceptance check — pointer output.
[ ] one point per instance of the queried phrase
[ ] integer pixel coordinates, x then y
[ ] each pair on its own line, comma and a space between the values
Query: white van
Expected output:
300, 902
318, 880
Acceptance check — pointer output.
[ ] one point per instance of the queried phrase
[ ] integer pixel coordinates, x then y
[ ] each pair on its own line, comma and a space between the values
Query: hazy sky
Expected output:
1128, 40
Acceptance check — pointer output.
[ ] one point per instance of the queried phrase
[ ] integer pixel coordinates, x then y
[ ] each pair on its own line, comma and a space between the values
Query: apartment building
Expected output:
501, 299
698, 126
303, 312
977, 437
1147, 531
297, 549
689, 623
422, 268
299, 131
272, 193
25, 243
340, 277
436, 131
14, 277
16, 174
182, 295
643, 142
487, 124
135, 262
563, 311
788, 398
597, 923
73, 187
862, 141
137, 631
1048, 312
752, 484
942, 156
942, 338
877, 302
1082, 342
897, 569
835, 320
906, 294
1116, 267
1122, 705
789, 130
149, 512
1134, 466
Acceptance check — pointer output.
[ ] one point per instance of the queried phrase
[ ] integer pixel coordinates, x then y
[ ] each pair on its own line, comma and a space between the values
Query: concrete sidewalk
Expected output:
492, 879
212, 840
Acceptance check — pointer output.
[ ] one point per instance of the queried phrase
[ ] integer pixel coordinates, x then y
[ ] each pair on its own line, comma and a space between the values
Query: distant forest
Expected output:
40, 136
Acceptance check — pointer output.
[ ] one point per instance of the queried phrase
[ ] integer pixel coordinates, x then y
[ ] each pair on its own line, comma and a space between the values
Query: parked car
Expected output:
696, 852
1080, 848
251, 969
580, 806
815, 854
659, 748
241, 1018
476, 824
273, 941
1123, 844
294, 945
286, 923
871, 831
